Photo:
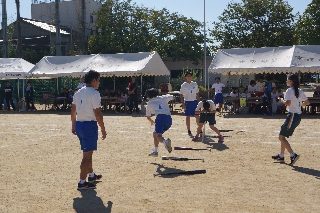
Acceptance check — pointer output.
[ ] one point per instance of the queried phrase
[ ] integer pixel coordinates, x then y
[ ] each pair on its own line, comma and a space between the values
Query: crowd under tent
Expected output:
247, 61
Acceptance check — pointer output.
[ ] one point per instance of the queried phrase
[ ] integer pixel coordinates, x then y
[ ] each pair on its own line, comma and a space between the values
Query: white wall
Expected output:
70, 13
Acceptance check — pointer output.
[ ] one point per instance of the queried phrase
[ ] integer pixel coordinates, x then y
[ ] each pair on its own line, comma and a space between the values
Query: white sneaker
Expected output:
153, 154
168, 145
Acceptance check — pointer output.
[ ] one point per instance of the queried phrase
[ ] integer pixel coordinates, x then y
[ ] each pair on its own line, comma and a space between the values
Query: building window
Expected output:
176, 73
91, 19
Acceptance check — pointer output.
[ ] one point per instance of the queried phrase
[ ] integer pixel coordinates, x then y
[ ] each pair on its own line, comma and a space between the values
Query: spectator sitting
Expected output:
106, 93
260, 85
277, 106
81, 84
245, 93
235, 94
252, 88
280, 92
60, 100
315, 105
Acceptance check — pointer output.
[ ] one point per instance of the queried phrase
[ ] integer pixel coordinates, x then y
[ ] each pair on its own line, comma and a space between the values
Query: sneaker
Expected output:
86, 185
189, 133
153, 154
220, 138
278, 158
94, 178
294, 159
168, 145
195, 138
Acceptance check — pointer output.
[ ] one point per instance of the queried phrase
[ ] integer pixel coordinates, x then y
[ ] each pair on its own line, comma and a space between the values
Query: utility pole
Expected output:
84, 45
58, 36
18, 26
4, 29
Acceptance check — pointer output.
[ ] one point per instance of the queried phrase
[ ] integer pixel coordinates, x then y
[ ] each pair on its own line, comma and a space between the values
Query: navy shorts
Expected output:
209, 117
190, 107
163, 123
289, 125
218, 98
87, 132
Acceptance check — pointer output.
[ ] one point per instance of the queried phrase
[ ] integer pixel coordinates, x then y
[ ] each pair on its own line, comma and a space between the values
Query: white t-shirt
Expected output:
252, 89
86, 100
260, 86
80, 85
189, 91
200, 106
245, 95
217, 87
159, 105
295, 106
234, 95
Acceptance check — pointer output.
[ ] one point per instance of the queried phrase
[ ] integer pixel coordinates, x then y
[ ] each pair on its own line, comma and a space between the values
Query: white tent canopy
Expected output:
13, 68
122, 64
127, 64
57, 66
286, 59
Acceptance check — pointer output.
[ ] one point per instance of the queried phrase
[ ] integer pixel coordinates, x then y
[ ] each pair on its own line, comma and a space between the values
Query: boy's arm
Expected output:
149, 119
73, 119
99, 117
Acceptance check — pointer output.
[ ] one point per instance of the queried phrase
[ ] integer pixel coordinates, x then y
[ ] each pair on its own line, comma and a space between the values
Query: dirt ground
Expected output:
40, 161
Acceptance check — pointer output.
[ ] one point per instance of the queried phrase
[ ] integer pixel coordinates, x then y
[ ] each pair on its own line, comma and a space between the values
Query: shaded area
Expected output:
217, 146
90, 202
167, 172
312, 172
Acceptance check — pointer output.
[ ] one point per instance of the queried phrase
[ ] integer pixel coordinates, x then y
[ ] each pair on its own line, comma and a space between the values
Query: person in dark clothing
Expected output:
315, 105
29, 97
61, 99
9, 90
267, 107
133, 95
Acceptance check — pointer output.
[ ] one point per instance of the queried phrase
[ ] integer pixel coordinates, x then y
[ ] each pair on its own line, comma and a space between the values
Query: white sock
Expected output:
165, 142
292, 154
82, 181
155, 149
281, 155
91, 174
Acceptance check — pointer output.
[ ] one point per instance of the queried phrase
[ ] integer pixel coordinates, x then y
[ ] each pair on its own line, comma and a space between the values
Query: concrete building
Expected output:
70, 13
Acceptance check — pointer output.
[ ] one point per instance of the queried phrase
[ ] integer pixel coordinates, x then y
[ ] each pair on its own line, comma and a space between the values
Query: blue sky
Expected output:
188, 8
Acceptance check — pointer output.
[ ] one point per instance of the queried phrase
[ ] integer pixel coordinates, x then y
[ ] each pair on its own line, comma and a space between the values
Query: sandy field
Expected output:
40, 161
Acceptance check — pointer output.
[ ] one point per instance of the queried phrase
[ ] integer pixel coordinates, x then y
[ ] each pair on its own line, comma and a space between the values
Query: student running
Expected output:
294, 99
158, 105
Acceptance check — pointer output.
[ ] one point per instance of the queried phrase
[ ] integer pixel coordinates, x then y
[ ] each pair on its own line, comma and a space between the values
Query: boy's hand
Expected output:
104, 134
73, 130
152, 122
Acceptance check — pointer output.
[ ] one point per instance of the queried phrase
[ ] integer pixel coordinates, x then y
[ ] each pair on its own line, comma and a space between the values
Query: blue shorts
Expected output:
218, 98
289, 125
190, 107
163, 123
87, 132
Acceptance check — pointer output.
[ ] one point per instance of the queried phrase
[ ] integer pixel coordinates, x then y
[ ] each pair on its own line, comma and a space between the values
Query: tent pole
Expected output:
57, 86
142, 110
23, 80
18, 90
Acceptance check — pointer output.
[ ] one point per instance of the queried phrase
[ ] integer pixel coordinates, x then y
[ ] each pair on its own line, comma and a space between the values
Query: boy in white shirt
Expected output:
189, 96
218, 97
260, 85
207, 110
252, 88
159, 106
85, 114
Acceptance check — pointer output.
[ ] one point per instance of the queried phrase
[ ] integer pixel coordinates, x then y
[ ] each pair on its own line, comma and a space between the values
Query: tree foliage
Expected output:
308, 25
255, 23
123, 26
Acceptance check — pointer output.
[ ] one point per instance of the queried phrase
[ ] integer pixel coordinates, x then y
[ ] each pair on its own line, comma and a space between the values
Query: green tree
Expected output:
125, 27
307, 29
255, 23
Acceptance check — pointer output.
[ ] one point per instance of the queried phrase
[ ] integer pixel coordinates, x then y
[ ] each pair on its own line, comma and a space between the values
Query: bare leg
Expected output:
188, 122
215, 129
86, 165
285, 144
200, 125
221, 109
159, 137
155, 139
197, 119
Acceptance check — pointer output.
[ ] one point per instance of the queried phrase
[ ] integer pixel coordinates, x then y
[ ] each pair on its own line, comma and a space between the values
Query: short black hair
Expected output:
151, 93
90, 76
187, 73
260, 77
7, 81
206, 105
217, 78
252, 82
